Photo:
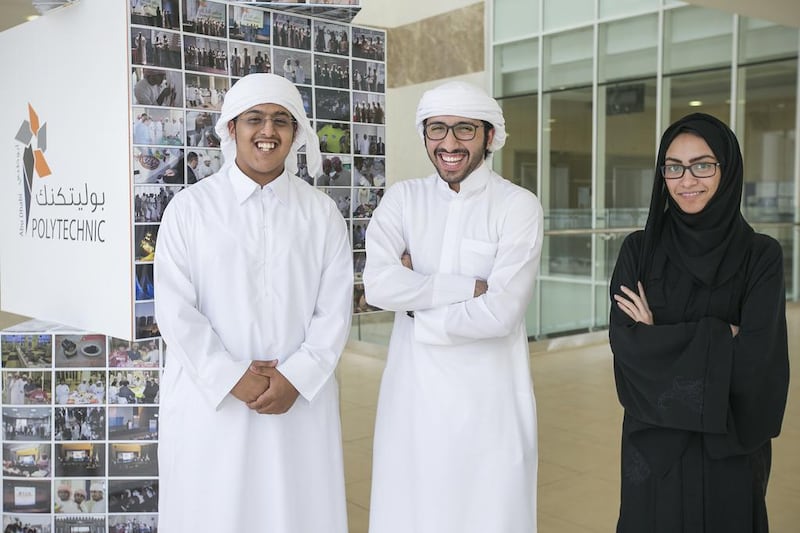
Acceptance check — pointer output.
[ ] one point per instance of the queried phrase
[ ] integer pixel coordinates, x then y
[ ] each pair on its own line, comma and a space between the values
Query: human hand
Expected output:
635, 305
734, 330
260, 367
480, 287
250, 386
406, 260
279, 397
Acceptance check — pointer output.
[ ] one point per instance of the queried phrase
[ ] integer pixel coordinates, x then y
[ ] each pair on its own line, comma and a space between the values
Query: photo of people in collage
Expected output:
81, 410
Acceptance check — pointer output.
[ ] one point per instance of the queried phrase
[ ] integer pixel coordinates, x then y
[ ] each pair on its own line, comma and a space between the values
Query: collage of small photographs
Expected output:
80, 432
186, 54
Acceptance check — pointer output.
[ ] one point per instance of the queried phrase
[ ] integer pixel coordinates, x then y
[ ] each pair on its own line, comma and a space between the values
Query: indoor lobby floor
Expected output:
579, 432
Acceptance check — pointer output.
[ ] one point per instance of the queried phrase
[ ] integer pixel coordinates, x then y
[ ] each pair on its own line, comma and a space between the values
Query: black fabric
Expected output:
710, 244
700, 405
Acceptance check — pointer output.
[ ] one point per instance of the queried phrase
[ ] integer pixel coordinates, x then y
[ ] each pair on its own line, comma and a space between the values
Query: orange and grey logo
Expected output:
32, 135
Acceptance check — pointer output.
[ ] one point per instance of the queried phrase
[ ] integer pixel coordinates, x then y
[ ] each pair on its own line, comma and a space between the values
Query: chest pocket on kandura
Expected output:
477, 257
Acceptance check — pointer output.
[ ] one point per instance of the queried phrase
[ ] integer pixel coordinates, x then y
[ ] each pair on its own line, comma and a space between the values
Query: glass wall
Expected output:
586, 99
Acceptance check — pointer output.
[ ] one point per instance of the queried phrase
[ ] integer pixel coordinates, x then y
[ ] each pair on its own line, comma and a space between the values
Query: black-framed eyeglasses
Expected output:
703, 169
464, 131
279, 122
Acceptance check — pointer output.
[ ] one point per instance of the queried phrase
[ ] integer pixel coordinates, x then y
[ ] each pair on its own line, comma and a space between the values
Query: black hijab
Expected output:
710, 245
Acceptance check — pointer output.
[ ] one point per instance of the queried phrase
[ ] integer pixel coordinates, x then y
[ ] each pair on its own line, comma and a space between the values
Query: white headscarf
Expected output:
256, 89
462, 99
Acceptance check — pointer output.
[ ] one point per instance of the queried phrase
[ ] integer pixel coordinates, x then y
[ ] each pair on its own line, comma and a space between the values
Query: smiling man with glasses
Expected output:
455, 255
253, 294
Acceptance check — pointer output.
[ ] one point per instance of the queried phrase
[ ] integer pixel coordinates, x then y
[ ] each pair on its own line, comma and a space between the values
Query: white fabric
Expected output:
455, 447
257, 89
462, 99
242, 273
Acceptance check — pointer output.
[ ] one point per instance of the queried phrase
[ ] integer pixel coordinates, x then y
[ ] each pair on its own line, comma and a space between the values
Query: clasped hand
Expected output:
264, 389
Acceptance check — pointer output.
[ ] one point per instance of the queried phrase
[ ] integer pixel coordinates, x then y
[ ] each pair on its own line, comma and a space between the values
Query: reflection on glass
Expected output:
568, 59
762, 39
515, 18
766, 127
516, 68
696, 37
612, 8
560, 14
517, 161
707, 92
628, 48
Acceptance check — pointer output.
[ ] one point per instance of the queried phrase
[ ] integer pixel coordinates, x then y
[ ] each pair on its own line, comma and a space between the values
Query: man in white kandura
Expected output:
455, 255
253, 296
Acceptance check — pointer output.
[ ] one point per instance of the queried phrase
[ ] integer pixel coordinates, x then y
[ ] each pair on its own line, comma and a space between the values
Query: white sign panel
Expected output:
65, 176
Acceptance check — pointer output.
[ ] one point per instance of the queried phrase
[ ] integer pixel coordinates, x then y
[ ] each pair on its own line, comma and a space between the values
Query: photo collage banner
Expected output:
80, 410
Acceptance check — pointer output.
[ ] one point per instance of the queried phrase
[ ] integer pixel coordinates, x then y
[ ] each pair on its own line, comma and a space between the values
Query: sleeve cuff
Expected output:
304, 373
225, 375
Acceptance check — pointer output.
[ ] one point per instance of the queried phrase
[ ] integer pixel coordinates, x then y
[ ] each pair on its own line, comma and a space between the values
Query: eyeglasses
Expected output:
464, 131
279, 122
704, 169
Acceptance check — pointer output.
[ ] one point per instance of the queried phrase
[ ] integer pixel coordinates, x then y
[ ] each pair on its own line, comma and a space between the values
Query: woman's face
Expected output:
691, 194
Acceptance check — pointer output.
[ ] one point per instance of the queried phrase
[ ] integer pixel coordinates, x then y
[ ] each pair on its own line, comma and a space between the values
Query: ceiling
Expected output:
13, 12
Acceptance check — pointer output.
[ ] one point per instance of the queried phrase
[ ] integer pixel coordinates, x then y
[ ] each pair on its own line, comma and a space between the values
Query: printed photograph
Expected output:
149, 201
131, 523
143, 282
332, 104
334, 137
156, 48
365, 201
29, 387
132, 423
133, 496
368, 107
369, 44
204, 17
331, 38
249, 59
200, 130
79, 497
369, 76
87, 350
127, 354
206, 92
145, 316
332, 71
27, 423
80, 423
203, 54
26, 496
201, 164
158, 165
307, 94
133, 386
369, 172
293, 65
80, 459
19, 523
156, 125
153, 87
26, 351
335, 172
81, 387
26, 459
359, 260
291, 32
89, 523
359, 235
145, 242
156, 13
132, 459
249, 24
369, 139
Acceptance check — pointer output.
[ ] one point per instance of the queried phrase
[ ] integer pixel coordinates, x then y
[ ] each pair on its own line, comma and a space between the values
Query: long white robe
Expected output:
243, 273
455, 437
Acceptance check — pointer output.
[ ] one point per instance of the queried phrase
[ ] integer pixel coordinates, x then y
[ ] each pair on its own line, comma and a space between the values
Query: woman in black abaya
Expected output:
698, 332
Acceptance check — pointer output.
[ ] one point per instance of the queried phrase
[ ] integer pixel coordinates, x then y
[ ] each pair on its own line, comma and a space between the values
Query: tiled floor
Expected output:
579, 428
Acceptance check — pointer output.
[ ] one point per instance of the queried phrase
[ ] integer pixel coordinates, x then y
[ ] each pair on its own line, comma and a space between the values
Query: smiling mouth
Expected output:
266, 146
451, 159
